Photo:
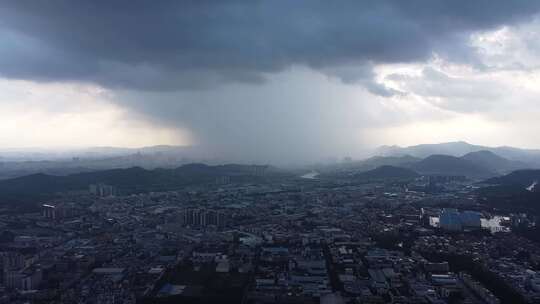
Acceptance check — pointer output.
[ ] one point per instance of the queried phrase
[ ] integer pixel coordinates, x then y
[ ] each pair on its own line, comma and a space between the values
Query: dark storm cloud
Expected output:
169, 45
250, 80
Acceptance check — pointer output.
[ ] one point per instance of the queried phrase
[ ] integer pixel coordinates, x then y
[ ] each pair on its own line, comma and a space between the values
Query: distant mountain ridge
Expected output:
373, 163
129, 180
518, 191
521, 178
437, 164
450, 165
396, 161
480, 164
530, 157
457, 149
100, 158
494, 162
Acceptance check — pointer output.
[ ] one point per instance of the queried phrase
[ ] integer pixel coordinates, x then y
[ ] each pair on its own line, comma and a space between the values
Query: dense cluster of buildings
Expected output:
203, 217
292, 241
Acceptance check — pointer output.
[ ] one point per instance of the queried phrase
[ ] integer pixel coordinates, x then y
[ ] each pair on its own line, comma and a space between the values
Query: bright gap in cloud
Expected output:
73, 115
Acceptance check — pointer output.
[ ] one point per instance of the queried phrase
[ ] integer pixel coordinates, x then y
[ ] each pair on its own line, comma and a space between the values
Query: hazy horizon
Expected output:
178, 155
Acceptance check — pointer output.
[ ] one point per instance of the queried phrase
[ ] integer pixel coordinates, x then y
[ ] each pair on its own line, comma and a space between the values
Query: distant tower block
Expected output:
48, 211
259, 170
102, 190
223, 180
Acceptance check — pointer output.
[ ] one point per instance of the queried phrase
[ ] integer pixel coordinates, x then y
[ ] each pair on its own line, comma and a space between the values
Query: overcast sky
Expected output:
269, 81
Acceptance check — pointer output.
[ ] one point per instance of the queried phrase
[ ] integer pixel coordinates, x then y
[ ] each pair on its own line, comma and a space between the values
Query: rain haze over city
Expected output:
269, 151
